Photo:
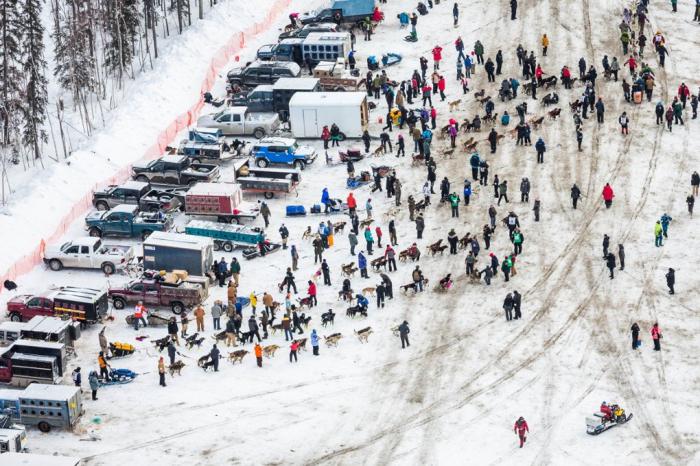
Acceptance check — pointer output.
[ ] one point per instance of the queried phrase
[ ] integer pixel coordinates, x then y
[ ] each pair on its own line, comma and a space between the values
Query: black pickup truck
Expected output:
141, 194
174, 170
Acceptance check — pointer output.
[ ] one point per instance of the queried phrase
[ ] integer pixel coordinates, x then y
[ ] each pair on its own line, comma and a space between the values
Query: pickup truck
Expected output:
174, 170
238, 121
335, 78
157, 293
340, 12
88, 253
282, 151
125, 220
141, 194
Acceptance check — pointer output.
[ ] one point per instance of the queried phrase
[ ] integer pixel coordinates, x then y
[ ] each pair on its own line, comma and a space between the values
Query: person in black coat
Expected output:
508, 307
214, 356
575, 195
600, 110
499, 62
326, 273
490, 69
171, 352
380, 291
403, 332
296, 322
366, 139
517, 300
493, 139
671, 280
606, 245
635, 336
253, 327
621, 256
513, 9
610, 260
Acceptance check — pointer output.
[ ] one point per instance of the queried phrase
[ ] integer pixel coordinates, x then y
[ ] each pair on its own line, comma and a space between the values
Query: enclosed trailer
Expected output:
309, 112
174, 251
10, 332
52, 329
285, 88
47, 406
221, 200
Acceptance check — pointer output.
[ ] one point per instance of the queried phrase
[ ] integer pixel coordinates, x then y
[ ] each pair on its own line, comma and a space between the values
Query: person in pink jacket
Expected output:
656, 336
437, 56
521, 429
608, 195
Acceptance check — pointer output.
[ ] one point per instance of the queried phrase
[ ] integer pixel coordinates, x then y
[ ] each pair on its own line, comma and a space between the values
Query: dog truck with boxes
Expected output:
309, 112
221, 200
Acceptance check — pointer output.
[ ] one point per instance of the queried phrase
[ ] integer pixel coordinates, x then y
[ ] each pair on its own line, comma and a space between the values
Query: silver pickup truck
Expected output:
238, 121
88, 253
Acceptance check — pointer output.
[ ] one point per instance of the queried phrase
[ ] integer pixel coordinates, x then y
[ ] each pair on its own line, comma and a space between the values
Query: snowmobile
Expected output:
599, 422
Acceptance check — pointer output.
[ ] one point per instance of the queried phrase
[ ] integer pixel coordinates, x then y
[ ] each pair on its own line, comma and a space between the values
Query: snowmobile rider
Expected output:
605, 409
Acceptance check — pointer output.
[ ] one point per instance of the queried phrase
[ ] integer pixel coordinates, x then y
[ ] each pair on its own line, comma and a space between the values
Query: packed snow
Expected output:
453, 395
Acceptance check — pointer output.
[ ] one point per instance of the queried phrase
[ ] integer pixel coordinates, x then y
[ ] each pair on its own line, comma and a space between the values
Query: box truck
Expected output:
309, 112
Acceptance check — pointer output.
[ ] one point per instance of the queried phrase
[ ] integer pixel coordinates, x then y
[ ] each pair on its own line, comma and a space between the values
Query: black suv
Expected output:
260, 72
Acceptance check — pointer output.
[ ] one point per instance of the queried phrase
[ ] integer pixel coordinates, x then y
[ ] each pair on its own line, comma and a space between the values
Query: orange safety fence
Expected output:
234, 45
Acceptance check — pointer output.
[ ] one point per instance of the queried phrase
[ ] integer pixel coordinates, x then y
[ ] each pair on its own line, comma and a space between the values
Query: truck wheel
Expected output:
119, 303
259, 133
108, 268
177, 307
234, 221
55, 265
44, 426
142, 178
217, 245
299, 165
341, 136
102, 206
15, 317
228, 247
262, 163
95, 232
269, 194
145, 235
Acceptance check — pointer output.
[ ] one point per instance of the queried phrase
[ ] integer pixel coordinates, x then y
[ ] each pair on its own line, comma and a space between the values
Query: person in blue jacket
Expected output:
362, 301
474, 162
514, 84
314, 341
467, 191
403, 19
665, 220
325, 200
362, 264
541, 149
505, 119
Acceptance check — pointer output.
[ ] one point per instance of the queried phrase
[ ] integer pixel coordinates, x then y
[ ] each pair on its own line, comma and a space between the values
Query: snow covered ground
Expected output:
452, 397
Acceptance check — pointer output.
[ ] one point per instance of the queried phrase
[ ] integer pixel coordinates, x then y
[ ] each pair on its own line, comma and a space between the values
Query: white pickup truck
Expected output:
88, 253
238, 121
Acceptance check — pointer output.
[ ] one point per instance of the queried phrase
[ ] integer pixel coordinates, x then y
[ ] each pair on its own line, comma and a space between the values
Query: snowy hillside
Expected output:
453, 395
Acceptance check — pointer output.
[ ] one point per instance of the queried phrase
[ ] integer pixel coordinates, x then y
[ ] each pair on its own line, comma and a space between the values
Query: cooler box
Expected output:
295, 210
316, 209
637, 97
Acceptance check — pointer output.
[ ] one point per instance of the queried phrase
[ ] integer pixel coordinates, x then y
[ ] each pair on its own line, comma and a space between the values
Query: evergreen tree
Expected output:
10, 60
73, 47
123, 24
34, 68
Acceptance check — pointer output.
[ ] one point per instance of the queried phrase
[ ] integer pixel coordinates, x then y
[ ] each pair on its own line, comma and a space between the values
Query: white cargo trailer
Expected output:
309, 112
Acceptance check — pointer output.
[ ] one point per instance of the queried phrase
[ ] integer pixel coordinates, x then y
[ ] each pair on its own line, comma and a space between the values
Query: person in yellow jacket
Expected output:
658, 234
545, 44
253, 301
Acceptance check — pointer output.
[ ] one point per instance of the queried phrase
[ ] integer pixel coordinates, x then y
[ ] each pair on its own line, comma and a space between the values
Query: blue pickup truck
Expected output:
126, 220
282, 151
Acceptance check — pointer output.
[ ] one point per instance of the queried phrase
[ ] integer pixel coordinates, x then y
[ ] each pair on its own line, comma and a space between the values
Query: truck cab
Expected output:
23, 308
88, 253
257, 100
127, 193
239, 121
174, 170
285, 50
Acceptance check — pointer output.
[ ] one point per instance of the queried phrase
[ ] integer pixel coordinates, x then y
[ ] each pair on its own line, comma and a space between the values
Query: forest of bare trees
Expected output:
97, 45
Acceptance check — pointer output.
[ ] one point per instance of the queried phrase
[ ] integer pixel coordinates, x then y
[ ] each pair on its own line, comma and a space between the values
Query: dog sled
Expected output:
600, 422
118, 377
381, 170
354, 182
253, 252
336, 206
120, 350
154, 319
354, 154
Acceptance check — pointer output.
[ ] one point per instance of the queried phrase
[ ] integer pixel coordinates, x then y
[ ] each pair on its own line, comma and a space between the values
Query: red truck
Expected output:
177, 295
84, 304
221, 200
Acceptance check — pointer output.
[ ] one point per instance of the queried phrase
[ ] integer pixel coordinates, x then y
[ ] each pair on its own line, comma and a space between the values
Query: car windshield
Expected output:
65, 246
216, 116
295, 146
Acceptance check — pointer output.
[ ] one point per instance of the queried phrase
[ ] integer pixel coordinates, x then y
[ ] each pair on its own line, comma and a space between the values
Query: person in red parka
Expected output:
538, 74
605, 409
377, 15
325, 135
312, 294
608, 195
437, 56
352, 203
521, 429
441, 88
